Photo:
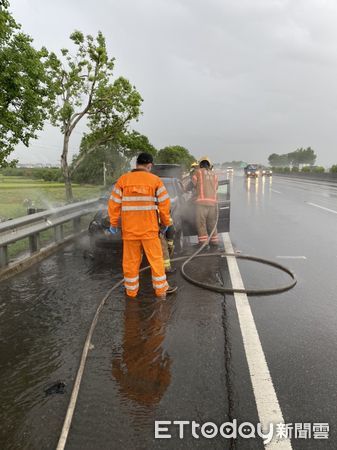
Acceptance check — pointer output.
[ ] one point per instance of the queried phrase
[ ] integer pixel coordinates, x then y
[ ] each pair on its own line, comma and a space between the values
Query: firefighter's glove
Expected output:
170, 233
113, 230
163, 229
170, 247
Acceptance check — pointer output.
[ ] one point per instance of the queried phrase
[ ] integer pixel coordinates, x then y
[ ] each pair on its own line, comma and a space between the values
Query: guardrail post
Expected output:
58, 233
34, 243
77, 225
3, 256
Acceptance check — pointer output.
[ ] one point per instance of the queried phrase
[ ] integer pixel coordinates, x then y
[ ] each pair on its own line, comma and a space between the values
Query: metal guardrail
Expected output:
330, 177
32, 225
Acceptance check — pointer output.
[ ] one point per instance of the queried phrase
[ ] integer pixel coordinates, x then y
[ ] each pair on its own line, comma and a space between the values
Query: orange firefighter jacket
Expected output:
206, 183
138, 198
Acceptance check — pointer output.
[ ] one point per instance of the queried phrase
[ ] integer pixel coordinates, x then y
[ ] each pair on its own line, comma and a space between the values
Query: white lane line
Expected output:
276, 192
291, 257
267, 404
322, 207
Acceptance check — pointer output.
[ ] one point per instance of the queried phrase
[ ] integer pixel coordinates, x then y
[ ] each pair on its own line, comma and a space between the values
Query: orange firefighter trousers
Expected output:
132, 258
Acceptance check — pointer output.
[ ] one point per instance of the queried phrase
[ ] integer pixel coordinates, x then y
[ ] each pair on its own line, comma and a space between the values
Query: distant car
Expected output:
230, 170
101, 238
265, 171
252, 170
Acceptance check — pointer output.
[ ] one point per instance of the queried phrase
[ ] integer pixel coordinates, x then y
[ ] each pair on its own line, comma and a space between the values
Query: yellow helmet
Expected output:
194, 165
205, 158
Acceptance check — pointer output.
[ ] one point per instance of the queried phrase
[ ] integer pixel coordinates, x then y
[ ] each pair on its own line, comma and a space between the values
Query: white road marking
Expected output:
276, 192
322, 207
291, 257
267, 404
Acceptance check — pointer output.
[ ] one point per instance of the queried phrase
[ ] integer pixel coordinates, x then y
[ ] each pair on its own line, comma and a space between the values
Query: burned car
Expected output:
182, 211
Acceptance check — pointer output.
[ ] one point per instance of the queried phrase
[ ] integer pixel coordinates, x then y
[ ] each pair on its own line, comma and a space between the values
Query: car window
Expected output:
170, 188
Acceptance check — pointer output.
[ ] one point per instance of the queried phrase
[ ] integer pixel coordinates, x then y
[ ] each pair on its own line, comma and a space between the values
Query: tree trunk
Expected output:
65, 167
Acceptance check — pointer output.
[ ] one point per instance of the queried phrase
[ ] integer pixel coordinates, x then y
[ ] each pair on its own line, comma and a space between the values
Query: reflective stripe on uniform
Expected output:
164, 197
201, 185
207, 199
118, 191
114, 199
138, 199
159, 286
131, 280
130, 287
139, 208
159, 278
160, 190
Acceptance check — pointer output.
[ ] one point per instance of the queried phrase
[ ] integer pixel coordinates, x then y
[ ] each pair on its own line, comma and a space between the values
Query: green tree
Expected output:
333, 169
276, 160
308, 156
113, 154
175, 154
23, 93
302, 156
83, 86
134, 143
306, 169
106, 158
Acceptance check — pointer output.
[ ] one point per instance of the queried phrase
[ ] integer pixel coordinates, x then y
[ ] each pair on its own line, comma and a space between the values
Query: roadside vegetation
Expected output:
17, 193
75, 84
304, 169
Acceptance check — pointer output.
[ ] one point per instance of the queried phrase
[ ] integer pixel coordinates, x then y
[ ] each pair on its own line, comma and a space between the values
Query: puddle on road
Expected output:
150, 360
44, 316
154, 361
142, 369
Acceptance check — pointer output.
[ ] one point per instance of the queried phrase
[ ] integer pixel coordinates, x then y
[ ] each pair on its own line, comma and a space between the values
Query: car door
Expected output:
224, 204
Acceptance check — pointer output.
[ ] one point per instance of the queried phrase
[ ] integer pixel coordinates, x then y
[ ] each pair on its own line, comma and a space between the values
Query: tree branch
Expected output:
91, 150
86, 109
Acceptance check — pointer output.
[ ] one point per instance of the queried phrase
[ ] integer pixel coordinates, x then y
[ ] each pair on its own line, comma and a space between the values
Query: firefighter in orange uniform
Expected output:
206, 185
138, 197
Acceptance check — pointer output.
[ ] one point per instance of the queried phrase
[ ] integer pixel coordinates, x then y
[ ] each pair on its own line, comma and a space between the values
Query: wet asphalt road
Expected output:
275, 218
182, 359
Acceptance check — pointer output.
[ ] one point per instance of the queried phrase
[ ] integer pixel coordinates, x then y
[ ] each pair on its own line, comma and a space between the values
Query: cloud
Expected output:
238, 79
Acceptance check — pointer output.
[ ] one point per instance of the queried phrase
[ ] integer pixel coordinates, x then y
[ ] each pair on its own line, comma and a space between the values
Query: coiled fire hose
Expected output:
215, 288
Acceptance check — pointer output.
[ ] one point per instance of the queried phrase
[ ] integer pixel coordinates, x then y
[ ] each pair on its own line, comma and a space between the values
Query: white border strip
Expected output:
267, 404
291, 257
322, 207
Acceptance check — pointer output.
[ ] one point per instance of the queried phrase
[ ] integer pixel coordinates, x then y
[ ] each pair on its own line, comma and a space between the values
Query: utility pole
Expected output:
104, 174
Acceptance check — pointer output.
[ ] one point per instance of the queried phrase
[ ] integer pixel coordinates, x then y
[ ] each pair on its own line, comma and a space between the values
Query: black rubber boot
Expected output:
171, 290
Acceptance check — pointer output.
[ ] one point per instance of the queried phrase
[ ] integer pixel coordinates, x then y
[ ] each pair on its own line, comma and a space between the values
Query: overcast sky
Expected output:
235, 79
